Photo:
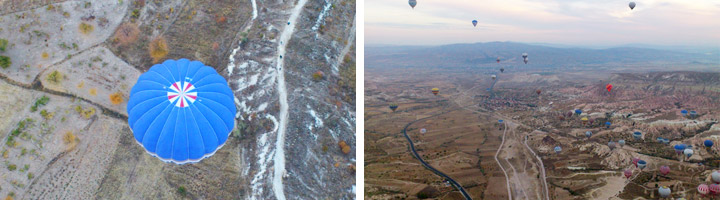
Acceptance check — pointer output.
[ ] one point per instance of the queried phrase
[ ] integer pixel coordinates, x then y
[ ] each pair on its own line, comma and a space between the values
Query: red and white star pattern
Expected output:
181, 94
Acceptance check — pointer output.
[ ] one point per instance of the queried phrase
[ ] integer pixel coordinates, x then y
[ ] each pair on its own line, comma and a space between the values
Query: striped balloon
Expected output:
703, 189
715, 188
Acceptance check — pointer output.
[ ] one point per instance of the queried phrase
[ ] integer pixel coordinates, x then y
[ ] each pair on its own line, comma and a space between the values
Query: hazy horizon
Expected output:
582, 23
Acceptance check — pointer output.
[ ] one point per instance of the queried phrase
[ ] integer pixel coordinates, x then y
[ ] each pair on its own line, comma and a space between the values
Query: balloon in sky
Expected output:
628, 173
635, 161
693, 114
558, 149
715, 188
578, 111
660, 139
621, 143
641, 164
435, 91
181, 111
688, 152
609, 87
502, 69
525, 60
608, 124
588, 134
500, 121
637, 135
703, 189
393, 106
584, 120
498, 60
611, 144
664, 170
493, 77
538, 91
708, 143
632, 5
664, 191
684, 112
474, 22
715, 176
412, 3
423, 130
524, 55
680, 148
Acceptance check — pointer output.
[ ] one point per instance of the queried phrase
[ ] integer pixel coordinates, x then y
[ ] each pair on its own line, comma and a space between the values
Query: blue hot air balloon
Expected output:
578, 111
588, 134
607, 124
684, 112
708, 143
637, 135
181, 111
679, 148
659, 139
474, 22
666, 141
558, 149
500, 121
693, 114
641, 164
621, 143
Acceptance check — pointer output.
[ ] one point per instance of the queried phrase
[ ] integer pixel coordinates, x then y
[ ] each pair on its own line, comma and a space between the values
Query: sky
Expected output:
565, 22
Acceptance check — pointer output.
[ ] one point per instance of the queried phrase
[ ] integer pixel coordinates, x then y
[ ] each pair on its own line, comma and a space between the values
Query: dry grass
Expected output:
344, 147
116, 98
86, 28
127, 33
158, 49
70, 140
93, 91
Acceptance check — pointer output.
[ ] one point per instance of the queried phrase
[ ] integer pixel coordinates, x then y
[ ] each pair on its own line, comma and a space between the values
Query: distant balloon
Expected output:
502, 69
569, 114
584, 120
493, 77
708, 143
611, 144
714, 188
628, 173
412, 3
591, 121
664, 191
693, 114
474, 22
680, 148
608, 124
715, 176
632, 5
435, 91
588, 134
641, 164
498, 60
664, 170
524, 55
703, 189
688, 152
635, 161
558, 149
393, 106
525, 60
538, 91
621, 143
637, 135
684, 112
500, 121
423, 131
609, 87
578, 111
666, 141
659, 139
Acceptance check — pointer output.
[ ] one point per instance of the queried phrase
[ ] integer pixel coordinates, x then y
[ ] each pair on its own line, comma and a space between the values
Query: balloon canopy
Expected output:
181, 111
708, 143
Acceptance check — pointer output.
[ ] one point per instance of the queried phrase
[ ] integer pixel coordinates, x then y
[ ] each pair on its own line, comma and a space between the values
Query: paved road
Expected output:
412, 148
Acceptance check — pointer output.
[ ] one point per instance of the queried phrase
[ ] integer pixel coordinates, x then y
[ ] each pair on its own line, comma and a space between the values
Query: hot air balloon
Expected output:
664, 191
558, 149
635, 161
708, 143
502, 69
569, 114
684, 112
588, 134
584, 120
628, 173
525, 60
500, 121
498, 60
435, 91
493, 77
609, 87
714, 188
524, 55
608, 124
679, 148
715, 176
474, 22
621, 143
393, 106
591, 121
659, 139
181, 111
412, 3
641, 164
688, 152
664, 170
703, 189
693, 114
423, 131
632, 5
666, 141
578, 111
637, 135
538, 91
611, 144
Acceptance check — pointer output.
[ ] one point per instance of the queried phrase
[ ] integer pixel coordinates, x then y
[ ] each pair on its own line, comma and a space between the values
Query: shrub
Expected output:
54, 77
182, 191
344, 147
158, 49
127, 33
30, 176
317, 76
86, 28
12, 167
45, 55
93, 91
3, 44
5, 62
69, 137
116, 98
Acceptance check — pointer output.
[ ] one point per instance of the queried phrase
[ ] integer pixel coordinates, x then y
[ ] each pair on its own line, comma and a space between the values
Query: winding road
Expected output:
439, 173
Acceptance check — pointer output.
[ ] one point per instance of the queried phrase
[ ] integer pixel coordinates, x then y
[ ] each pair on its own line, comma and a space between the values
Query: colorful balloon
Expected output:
641, 164
393, 106
637, 135
664, 170
558, 149
423, 131
708, 143
635, 161
588, 134
688, 152
609, 87
680, 148
714, 188
435, 91
703, 189
632, 5
664, 191
621, 143
628, 173
474, 22
412, 3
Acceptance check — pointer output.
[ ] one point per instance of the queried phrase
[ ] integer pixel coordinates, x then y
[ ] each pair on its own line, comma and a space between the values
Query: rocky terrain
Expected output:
291, 65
